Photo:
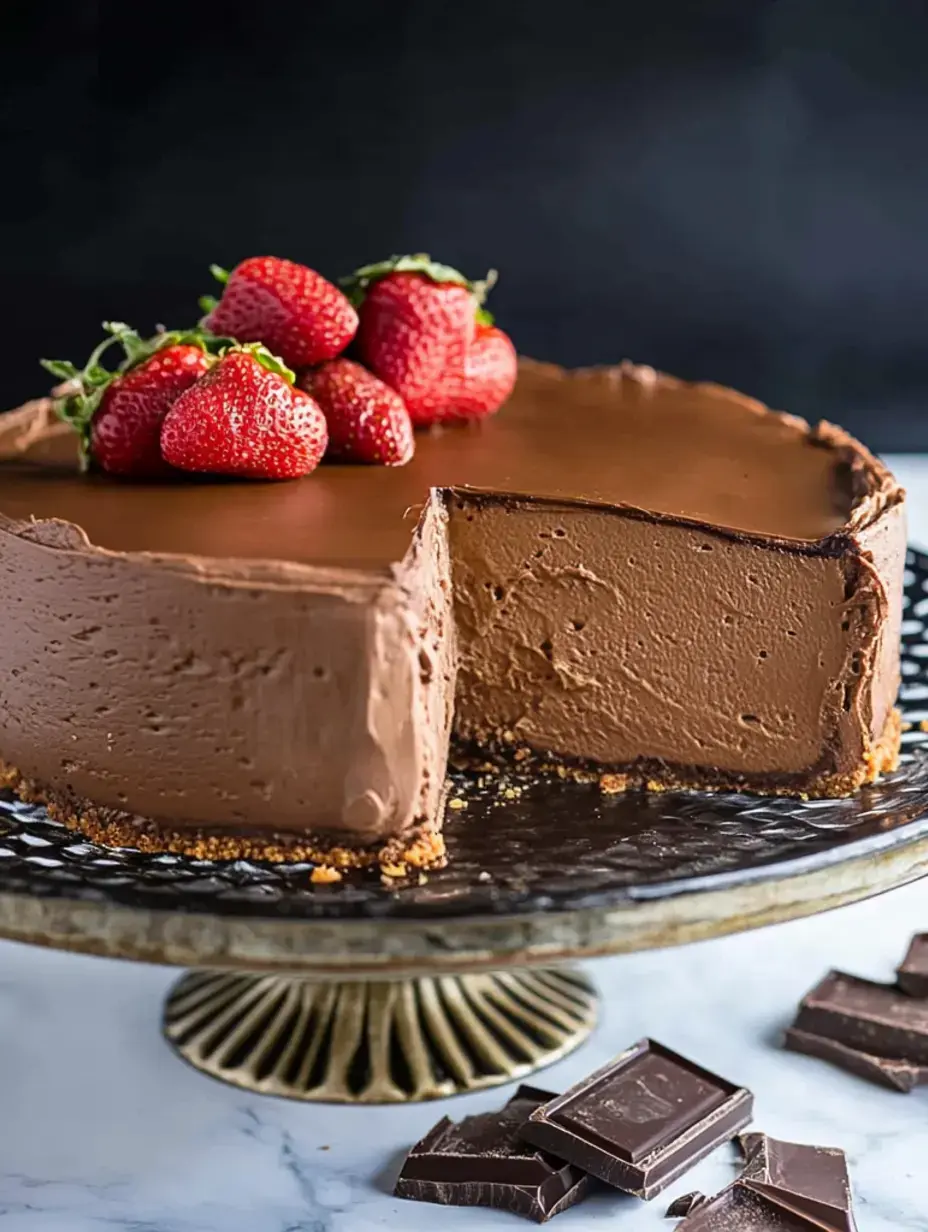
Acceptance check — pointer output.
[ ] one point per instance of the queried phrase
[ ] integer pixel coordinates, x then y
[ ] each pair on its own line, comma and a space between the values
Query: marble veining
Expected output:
103, 1129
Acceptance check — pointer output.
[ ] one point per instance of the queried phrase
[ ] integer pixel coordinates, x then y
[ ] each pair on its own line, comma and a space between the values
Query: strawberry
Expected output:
489, 374
119, 414
419, 322
367, 420
295, 312
245, 418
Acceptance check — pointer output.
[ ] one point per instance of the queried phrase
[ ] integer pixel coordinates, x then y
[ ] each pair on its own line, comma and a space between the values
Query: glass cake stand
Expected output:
363, 992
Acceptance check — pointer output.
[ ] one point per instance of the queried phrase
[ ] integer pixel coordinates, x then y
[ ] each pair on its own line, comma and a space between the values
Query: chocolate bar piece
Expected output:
874, 1018
481, 1161
784, 1187
810, 1181
897, 1075
912, 976
642, 1120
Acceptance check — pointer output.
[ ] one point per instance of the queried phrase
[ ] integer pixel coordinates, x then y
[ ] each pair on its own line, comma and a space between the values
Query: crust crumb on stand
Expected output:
324, 874
613, 784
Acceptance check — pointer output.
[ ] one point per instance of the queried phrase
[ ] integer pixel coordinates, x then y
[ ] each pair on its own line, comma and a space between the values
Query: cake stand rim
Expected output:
396, 948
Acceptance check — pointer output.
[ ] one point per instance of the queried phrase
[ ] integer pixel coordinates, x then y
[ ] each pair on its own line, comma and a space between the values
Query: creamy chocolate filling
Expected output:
577, 637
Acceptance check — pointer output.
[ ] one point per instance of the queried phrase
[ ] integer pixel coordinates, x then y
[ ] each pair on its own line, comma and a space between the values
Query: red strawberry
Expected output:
119, 415
367, 419
490, 367
418, 324
244, 417
295, 312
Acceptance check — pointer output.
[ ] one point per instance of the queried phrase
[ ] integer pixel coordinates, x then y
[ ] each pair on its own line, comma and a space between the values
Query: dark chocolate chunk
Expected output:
739, 1209
874, 1018
912, 976
642, 1120
810, 1181
686, 1204
482, 1161
898, 1075
784, 1187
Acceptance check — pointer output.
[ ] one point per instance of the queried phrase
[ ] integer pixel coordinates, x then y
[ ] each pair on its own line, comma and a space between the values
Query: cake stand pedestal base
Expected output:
377, 1042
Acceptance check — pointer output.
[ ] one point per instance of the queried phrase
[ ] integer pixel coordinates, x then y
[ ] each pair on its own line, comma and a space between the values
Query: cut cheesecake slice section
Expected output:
661, 583
676, 654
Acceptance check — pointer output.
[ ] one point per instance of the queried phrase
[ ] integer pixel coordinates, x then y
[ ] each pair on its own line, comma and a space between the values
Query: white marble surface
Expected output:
102, 1129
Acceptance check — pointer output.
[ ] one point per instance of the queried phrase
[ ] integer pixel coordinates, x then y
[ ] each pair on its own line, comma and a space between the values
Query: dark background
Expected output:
736, 191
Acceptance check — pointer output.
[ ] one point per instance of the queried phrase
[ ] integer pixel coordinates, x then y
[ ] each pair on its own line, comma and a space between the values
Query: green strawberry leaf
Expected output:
264, 357
356, 285
61, 368
205, 339
214, 344
485, 285
208, 303
131, 342
92, 381
484, 317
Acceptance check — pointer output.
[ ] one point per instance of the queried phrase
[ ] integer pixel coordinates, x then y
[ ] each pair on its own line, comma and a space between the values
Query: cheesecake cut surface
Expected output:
664, 582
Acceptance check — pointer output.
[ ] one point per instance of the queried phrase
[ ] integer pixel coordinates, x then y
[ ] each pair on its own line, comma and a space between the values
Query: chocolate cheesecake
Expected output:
660, 583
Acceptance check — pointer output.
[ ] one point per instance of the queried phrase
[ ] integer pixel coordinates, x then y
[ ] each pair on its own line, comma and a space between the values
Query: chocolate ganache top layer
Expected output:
611, 436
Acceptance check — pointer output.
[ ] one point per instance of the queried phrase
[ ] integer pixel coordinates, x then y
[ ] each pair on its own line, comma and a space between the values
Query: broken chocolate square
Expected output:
482, 1161
888, 1072
642, 1120
811, 1181
912, 975
739, 1209
874, 1018
784, 1187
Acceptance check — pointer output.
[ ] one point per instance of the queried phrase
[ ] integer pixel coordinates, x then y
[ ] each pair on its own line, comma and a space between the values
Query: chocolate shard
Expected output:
912, 975
877, 1019
809, 1181
482, 1161
641, 1121
740, 1209
686, 1204
888, 1072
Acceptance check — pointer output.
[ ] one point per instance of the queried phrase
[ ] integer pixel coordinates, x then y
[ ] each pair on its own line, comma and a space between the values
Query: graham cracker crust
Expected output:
421, 848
